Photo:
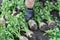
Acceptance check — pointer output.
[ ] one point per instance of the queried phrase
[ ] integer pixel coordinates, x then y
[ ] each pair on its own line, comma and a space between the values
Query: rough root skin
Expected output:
43, 26
51, 24
32, 25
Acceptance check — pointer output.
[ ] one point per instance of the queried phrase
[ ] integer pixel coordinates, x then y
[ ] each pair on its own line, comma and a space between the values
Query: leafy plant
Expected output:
37, 15
14, 24
54, 34
17, 23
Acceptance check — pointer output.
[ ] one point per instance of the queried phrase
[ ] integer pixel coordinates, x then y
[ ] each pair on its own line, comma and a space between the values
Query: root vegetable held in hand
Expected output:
32, 25
43, 26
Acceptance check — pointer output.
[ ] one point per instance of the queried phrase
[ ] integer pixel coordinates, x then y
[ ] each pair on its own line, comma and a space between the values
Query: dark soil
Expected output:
38, 35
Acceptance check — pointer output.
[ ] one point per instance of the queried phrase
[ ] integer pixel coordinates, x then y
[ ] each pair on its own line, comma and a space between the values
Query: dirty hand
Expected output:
29, 3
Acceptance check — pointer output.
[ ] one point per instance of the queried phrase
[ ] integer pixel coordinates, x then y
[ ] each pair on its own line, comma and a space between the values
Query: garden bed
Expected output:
14, 27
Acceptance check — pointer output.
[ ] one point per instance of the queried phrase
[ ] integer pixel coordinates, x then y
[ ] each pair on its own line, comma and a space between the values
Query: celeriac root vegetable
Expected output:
43, 26
32, 25
23, 38
51, 24
29, 34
